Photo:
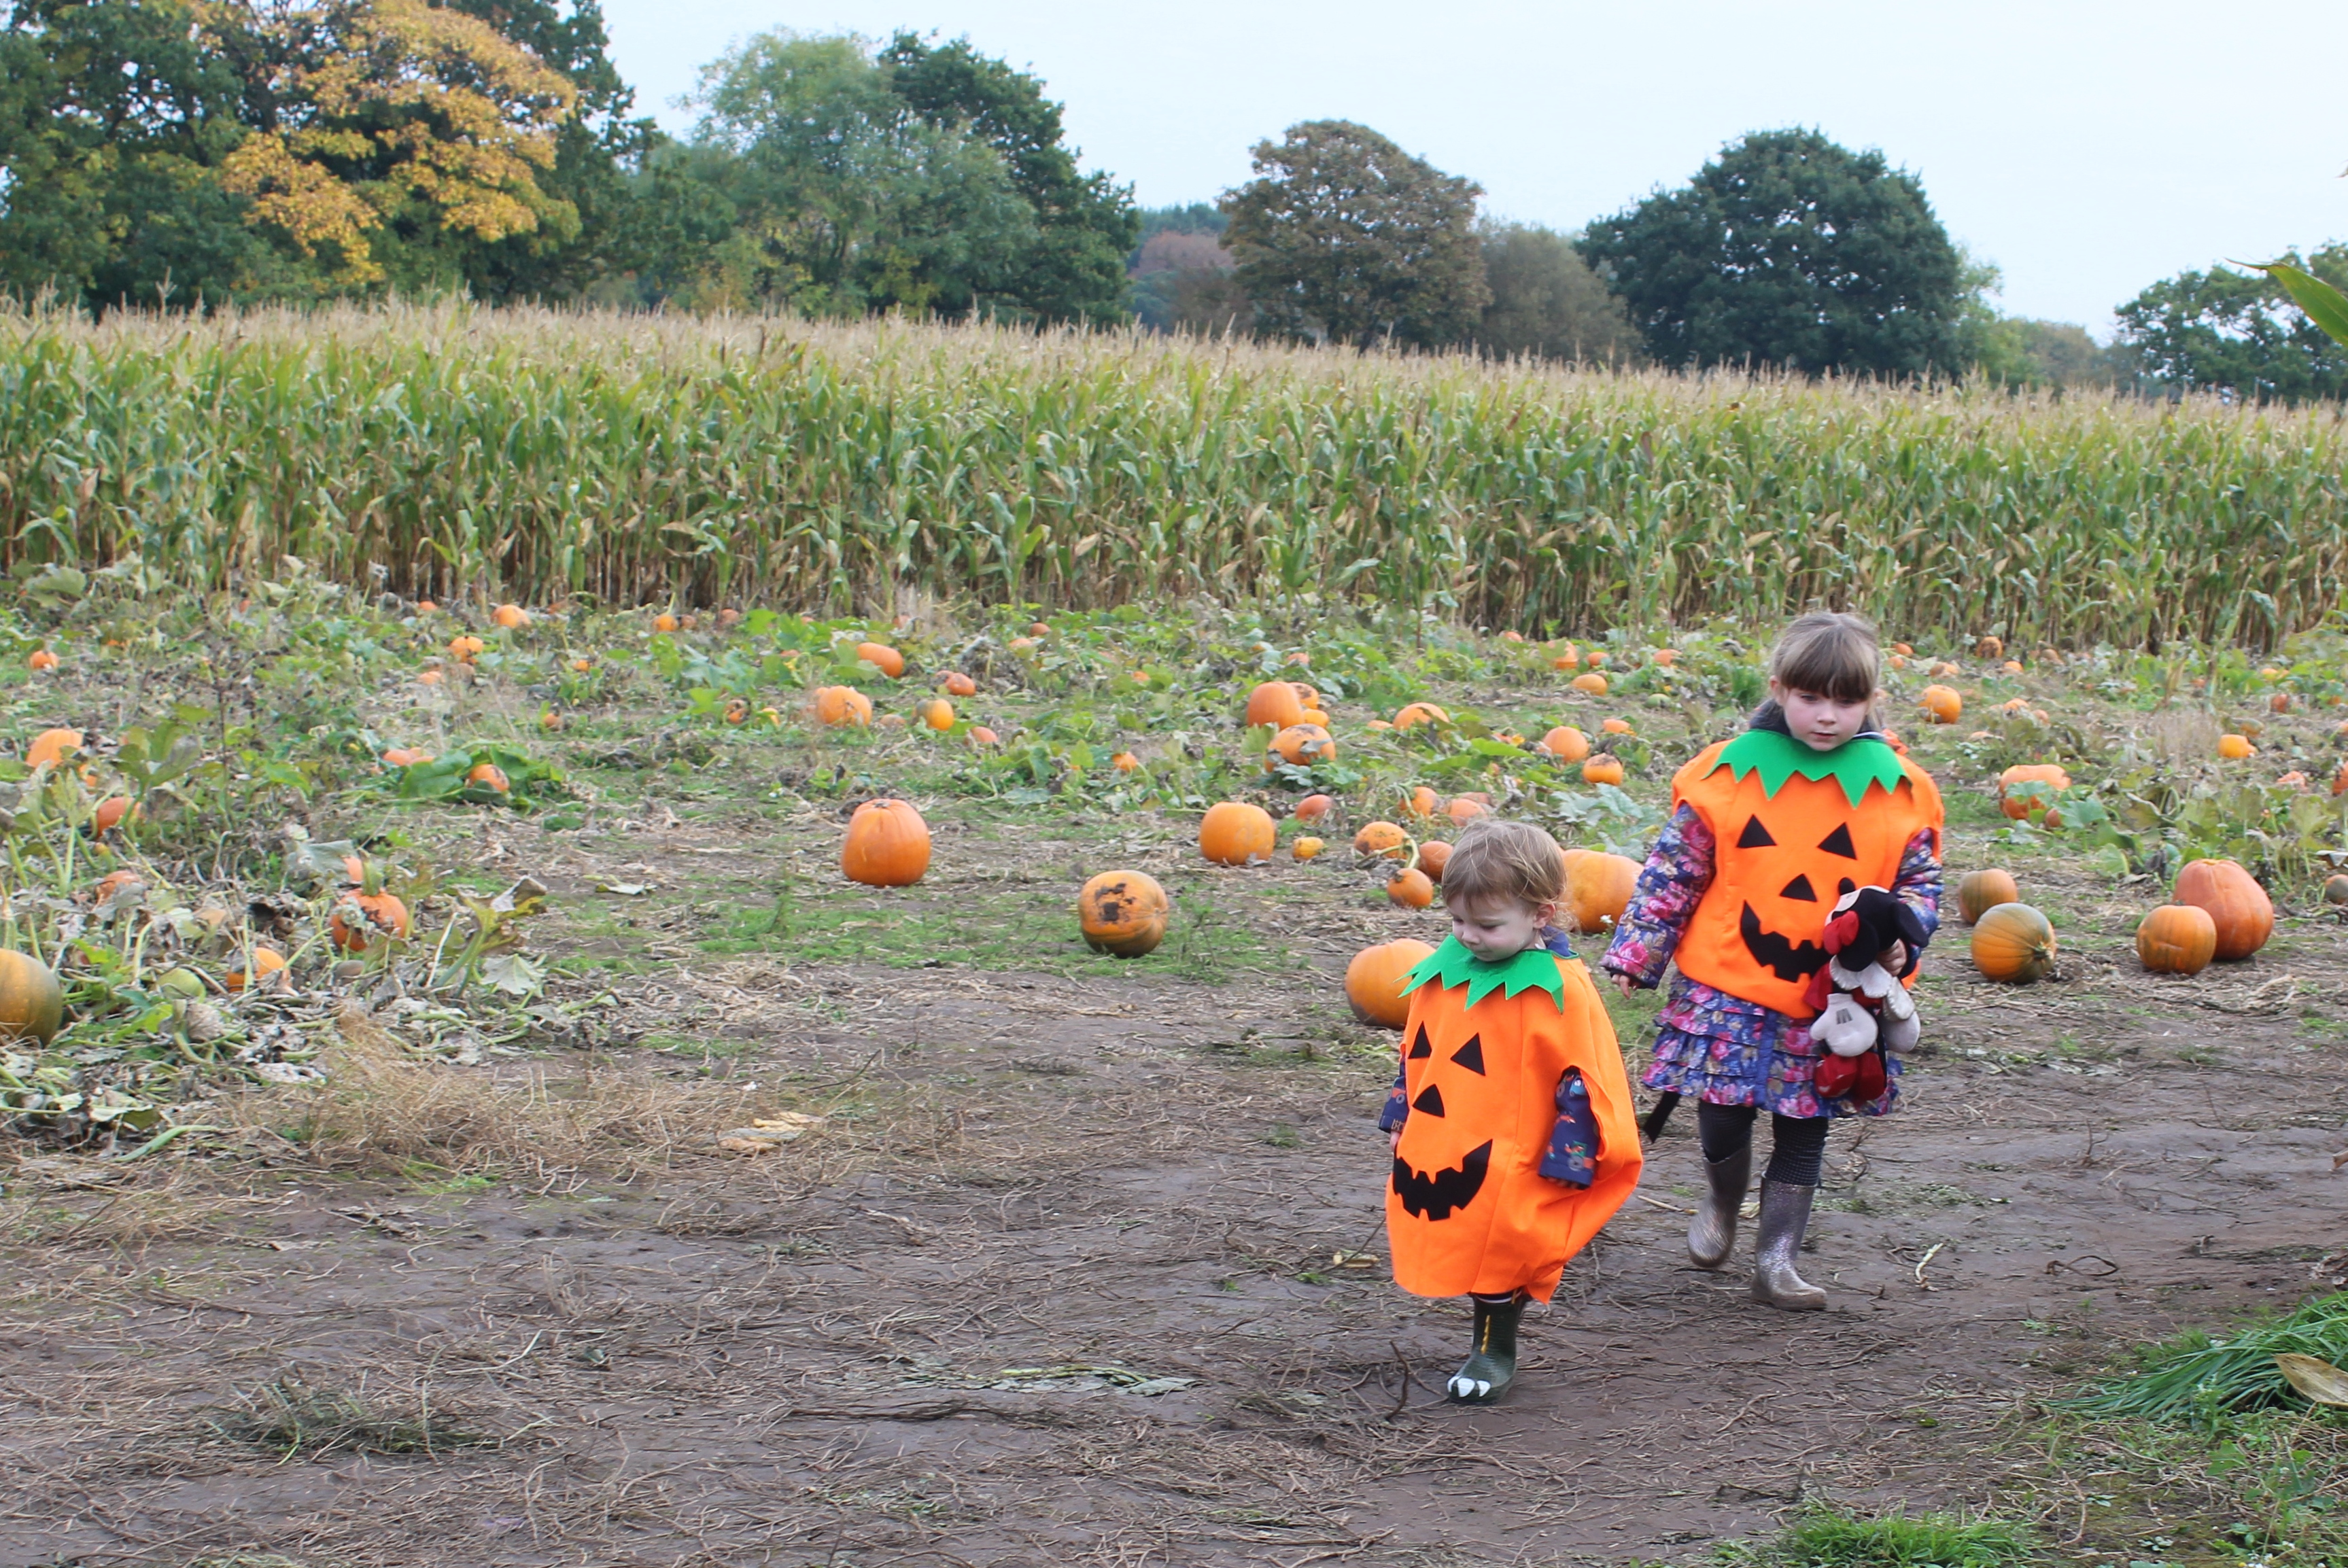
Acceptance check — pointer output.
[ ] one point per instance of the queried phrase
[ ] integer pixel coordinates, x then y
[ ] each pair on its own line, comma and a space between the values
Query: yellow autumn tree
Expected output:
376, 107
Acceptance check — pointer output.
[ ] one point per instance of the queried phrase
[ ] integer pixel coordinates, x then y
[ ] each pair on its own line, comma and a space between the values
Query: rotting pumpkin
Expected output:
1122, 912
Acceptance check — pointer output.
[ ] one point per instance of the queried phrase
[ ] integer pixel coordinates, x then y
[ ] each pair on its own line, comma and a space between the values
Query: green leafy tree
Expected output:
1790, 250
848, 198
1546, 302
2238, 332
1073, 269
1342, 237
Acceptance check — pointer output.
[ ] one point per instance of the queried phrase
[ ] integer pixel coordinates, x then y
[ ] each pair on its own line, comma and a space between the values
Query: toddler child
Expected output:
1513, 1134
1768, 832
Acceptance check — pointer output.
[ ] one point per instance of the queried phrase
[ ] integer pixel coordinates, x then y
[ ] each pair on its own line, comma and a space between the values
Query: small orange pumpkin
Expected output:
1276, 703
957, 684
1385, 840
1434, 858
843, 706
2013, 943
2240, 907
1979, 892
42, 659
1421, 802
266, 961
1126, 763
2177, 939
466, 648
1313, 808
888, 845
980, 735
1465, 809
881, 657
488, 775
358, 917
1236, 832
1300, 746
2018, 807
51, 747
1989, 648
1411, 888
1373, 981
111, 811
1590, 681
1598, 889
1602, 770
32, 1002
938, 713
512, 616
1566, 744
1123, 913
2234, 748
1305, 848
663, 621
2335, 888
1417, 713
1616, 726
404, 757
1942, 704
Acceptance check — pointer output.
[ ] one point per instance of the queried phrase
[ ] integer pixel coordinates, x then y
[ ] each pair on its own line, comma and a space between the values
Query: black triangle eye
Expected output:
1471, 1055
1838, 843
1800, 888
1755, 835
1421, 1046
1430, 1100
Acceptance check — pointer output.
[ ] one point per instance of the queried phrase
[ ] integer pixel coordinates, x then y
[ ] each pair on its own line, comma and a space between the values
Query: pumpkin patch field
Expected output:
526, 1082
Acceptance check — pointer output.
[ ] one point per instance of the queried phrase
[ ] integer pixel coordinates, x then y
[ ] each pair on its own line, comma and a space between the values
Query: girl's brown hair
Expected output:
1830, 655
1511, 860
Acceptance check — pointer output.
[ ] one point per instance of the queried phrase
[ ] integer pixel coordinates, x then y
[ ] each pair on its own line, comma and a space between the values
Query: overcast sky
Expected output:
2087, 149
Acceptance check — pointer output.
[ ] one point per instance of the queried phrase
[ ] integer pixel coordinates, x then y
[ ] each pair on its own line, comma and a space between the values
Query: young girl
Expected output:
1767, 831
1513, 1134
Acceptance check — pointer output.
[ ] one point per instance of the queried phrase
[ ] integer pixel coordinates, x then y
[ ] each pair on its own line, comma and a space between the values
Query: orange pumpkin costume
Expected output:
1485, 1051
1793, 830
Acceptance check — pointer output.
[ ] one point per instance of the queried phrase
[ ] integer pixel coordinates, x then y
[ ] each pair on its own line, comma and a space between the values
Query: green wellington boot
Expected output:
1482, 1377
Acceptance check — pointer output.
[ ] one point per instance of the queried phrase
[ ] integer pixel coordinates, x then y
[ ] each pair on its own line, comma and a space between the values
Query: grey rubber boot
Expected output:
1785, 1214
1713, 1230
1484, 1375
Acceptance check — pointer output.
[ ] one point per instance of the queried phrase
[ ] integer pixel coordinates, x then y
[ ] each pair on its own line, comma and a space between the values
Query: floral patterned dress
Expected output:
1717, 1046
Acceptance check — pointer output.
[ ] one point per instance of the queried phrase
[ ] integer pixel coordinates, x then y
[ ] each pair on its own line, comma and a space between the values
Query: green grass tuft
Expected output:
2193, 1376
1830, 1540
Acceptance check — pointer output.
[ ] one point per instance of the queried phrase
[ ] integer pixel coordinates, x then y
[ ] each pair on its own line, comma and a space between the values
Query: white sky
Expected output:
2087, 149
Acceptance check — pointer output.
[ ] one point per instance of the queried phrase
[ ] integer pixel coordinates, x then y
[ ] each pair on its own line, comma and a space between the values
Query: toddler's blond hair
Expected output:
1510, 860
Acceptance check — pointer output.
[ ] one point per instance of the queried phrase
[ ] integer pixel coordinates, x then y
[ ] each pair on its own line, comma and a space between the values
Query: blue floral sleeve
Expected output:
1673, 882
1918, 884
1573, 1149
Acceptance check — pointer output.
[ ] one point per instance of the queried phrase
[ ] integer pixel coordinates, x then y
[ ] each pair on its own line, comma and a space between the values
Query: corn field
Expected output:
634, 458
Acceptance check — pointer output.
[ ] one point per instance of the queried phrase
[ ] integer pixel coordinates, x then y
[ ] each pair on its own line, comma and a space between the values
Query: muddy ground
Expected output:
1085, 1263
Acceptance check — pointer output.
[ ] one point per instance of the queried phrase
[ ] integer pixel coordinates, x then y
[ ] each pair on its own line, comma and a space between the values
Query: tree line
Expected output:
182, 154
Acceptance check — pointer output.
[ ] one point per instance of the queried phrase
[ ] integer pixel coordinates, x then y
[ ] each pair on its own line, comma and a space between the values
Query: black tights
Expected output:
1797, 1145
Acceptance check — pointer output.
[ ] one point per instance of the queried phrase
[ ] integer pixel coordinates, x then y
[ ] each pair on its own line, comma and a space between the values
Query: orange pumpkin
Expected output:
1979, 892
32, 1003
2335, 888
1568, 659
980, 735
1373, 981
1597, 890
1989, 648
512, 616
1434, 858
42, 659
881, 657
1942, 704
1313, 808
2177, 939
842, 705
2280, 702
2234, 748
1236, 832
1602, 769
2011, 667
1023, 646
1421, 802
1590, 681
663, 621
1465, 809
957, 684
2243, 913
488, 775
938, 713
359, 917
466, 648
1276, 703
1566, 744
2017, 806
2013, 943
51, 747
1411, 888
1616, 726
1123, 913
266, 961
1418, 713
888, 845
1300, 746
111, 814
1385, 839
1126, 763
1305, 848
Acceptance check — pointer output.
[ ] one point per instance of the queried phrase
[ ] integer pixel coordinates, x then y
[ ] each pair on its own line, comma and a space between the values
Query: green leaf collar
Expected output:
1778, 756
1452, 964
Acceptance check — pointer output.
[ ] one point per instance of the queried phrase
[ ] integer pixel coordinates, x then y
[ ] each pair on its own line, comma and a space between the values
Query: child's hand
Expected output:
1894, 958
1393, 1141
1626, 985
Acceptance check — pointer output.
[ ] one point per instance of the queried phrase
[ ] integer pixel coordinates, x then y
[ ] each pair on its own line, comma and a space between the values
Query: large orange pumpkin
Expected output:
1385, 839
888, 845
1237, 833
1566, 744
2013, 943
32, 1003
1597, 890
1276, 703
1122, 912
842, 705
1979, 892
1373, 981
2240, 907
881, 657
2177, 939
2017, 806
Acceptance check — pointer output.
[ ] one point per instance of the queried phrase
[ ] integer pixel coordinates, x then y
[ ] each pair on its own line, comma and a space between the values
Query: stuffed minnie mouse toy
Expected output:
1863, 1009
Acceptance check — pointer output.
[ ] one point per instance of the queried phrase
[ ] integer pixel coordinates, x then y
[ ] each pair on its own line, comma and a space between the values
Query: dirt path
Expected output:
1068, 1279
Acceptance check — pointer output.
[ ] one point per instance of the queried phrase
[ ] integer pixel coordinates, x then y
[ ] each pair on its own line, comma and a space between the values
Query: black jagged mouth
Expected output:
1436, 1196
1787, 961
